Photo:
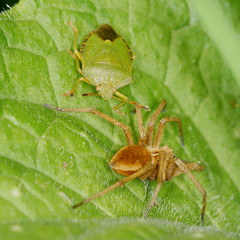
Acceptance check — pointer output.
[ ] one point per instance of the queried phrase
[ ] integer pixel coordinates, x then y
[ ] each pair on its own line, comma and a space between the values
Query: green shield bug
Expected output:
106, 63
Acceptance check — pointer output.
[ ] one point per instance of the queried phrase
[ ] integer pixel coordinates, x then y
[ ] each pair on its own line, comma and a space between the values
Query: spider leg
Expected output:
119, 183
163, 162
161, 127
152, 202
126, 130
150, 127
190, 166
142, 139
185, 169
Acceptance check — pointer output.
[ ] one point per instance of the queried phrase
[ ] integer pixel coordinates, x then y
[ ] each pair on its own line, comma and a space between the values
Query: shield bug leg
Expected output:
118, 106
77, 61
75, 40
71, 92
91, 94
124, 98
77, 56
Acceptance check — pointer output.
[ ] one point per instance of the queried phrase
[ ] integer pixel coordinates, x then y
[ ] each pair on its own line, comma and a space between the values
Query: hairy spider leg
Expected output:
191, 166
151, 123
185, 169
159, 184
161, 126
126, 130
163, 121
142, 138
163, 163
119, 183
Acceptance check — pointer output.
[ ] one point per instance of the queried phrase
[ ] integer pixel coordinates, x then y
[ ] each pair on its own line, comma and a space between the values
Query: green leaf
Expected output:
52, 160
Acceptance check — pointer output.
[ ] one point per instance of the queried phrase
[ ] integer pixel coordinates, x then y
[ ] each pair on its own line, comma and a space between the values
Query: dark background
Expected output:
3, 4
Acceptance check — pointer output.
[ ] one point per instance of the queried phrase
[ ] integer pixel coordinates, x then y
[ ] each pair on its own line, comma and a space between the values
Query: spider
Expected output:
147, 159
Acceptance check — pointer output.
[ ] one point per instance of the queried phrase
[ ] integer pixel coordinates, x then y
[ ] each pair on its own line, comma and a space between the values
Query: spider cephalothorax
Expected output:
147, 159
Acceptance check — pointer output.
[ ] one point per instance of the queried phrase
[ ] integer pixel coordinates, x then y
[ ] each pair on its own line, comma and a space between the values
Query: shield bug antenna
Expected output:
146, 159
106, 63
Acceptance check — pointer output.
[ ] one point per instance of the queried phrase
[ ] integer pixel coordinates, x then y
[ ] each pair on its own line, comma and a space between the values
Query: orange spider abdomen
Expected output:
130, 159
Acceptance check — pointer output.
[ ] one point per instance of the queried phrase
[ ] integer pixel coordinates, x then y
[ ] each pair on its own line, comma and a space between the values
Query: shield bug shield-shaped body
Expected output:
106, 63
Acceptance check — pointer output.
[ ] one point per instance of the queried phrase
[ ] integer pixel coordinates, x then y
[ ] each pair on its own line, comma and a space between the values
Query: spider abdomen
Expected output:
130, 159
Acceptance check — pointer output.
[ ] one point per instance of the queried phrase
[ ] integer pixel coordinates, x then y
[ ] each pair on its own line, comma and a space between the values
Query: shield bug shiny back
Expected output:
106, 63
